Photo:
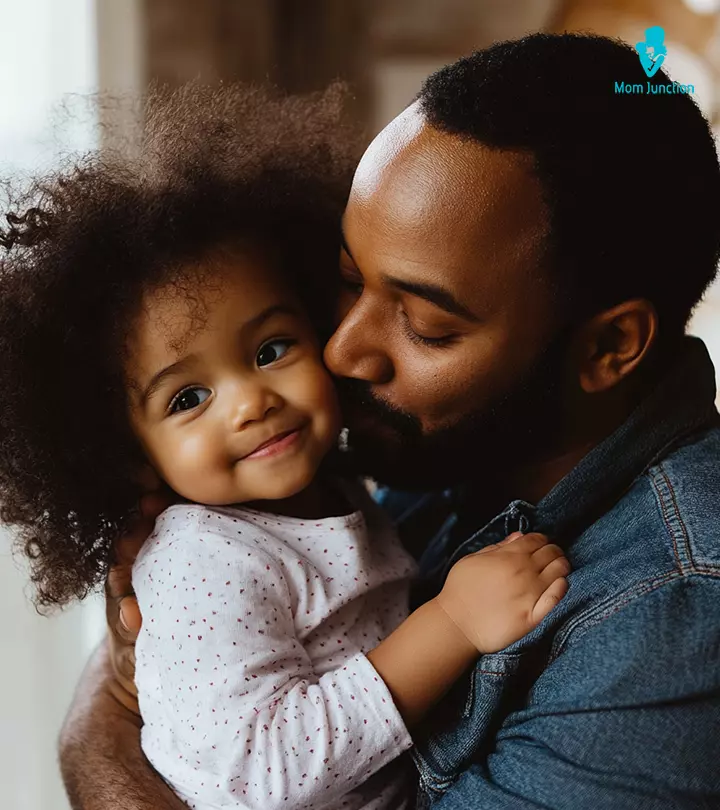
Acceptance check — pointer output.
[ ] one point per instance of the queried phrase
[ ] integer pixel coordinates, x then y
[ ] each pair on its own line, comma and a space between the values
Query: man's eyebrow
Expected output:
435, 294
164, 374
429, 292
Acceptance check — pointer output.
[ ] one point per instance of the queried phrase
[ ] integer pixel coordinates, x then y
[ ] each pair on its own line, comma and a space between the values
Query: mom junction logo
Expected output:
652, 53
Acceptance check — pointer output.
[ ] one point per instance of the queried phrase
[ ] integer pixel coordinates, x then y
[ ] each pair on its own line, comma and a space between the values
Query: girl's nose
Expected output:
253, 404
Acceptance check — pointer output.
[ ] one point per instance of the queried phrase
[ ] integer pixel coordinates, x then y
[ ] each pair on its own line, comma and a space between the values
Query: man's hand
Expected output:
100, 755
102, 763
123, 615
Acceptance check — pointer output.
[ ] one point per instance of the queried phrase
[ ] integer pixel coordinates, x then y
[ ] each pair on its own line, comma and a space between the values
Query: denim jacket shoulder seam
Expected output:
597, 614
667, 503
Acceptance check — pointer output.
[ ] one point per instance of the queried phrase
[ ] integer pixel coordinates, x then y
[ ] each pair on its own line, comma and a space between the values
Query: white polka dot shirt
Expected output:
254, 687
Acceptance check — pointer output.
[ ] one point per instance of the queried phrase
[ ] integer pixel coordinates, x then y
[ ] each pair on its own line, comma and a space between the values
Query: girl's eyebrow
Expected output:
169, 371
266, 314
180, 365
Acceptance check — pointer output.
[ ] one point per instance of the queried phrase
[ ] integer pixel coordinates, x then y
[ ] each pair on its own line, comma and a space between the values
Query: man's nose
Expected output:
357, 349
253, 402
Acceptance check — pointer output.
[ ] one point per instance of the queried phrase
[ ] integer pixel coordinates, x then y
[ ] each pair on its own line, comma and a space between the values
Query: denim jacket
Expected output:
614, 700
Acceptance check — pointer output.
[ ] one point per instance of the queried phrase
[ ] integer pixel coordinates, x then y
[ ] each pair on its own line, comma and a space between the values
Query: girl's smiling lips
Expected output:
278, 444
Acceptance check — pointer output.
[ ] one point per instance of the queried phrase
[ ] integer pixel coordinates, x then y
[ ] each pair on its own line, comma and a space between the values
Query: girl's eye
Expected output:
188, 399
271, 352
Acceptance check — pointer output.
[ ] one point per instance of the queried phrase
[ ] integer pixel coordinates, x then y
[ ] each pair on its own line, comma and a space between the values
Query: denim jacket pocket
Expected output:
461, 730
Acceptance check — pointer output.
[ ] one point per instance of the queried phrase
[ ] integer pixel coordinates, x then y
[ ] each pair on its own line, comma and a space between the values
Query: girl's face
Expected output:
228, 393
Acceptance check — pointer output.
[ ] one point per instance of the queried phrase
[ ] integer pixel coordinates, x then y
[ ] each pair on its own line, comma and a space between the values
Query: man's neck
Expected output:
533, 481
594, 420
685, 402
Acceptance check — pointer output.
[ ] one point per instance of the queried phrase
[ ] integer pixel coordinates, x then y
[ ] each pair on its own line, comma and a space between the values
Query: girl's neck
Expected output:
321, 499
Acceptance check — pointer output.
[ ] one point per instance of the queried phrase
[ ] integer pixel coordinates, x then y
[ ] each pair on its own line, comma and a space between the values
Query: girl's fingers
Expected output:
549, 599
555, 569
545, 555
510, 538
494, 546
527, 544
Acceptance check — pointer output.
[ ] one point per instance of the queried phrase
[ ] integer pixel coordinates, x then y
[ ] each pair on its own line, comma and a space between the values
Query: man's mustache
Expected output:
358, 394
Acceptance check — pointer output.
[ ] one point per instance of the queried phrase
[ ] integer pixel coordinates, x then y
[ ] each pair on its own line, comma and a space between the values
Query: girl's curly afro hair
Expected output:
79, 249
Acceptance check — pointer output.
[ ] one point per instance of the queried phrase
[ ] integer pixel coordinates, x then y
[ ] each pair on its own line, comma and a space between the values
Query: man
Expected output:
513, 341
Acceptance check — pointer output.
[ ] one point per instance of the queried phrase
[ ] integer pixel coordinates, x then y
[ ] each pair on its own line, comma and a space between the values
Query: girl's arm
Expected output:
490, 600
232, 705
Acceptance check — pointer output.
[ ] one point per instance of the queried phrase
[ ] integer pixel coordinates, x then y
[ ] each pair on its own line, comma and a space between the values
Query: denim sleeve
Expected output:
625, 717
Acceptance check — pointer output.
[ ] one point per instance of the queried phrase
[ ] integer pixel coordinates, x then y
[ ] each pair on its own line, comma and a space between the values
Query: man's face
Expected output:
449, 354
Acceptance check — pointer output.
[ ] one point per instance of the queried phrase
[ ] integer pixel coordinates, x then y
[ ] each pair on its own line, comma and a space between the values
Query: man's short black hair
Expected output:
631, 179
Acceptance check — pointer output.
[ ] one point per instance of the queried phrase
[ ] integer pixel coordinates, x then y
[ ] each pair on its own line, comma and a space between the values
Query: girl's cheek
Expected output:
325, 395
197, 449
177, 455
330, 408
193, 465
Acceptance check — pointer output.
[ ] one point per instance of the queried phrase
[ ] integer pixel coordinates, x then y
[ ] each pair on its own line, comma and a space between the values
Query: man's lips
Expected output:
278, 443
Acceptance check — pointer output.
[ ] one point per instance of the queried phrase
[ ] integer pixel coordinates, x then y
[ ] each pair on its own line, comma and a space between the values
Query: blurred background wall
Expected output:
54, 52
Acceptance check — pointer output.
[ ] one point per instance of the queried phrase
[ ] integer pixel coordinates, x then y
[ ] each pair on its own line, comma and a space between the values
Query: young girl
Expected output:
167, 313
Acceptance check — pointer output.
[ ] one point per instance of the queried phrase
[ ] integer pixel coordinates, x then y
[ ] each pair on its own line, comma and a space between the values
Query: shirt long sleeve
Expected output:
237, 714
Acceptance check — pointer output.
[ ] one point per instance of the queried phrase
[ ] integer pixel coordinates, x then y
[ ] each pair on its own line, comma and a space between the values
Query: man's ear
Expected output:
613, 343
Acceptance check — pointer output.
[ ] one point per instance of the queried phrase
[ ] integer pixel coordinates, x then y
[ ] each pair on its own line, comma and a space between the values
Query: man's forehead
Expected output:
415, 171
443, 190
436, 207
385, 148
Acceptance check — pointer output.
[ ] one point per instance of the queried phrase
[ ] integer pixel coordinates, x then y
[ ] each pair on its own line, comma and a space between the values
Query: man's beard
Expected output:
519, 426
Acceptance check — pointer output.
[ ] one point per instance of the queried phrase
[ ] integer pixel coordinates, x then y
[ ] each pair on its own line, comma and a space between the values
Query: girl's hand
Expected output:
499, 594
